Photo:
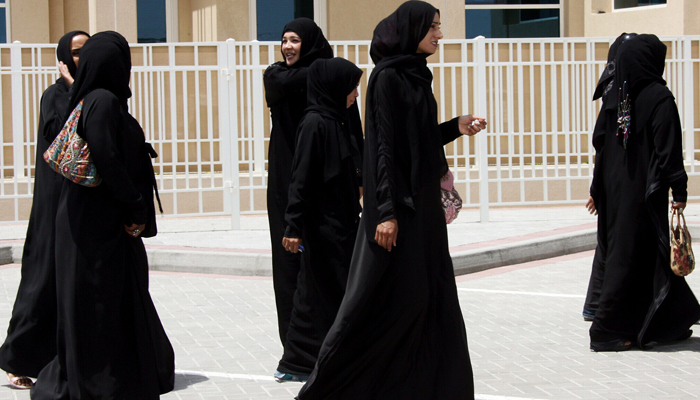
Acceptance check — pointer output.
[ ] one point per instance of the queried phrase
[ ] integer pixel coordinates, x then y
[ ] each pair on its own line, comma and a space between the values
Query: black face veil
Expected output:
330, 83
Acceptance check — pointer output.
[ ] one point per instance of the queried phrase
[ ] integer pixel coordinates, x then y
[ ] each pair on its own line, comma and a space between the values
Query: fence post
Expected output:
482, 137
17, 109
258, 111
688, 100
228, 129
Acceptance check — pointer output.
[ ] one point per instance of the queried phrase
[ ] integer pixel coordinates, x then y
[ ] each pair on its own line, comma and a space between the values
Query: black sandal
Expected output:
613, 345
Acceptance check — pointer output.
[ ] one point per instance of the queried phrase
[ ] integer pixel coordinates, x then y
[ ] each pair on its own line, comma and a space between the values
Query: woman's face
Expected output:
429, 44
352, 96
291, 47
75, 45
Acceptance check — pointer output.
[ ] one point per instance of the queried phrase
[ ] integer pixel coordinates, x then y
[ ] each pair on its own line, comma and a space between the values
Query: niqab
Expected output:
105, 63
63, 50
313, 44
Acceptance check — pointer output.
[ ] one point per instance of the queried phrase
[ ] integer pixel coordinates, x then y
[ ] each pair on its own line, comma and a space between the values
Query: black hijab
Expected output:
313, 44
396, 39
640, 63
105, 63
330, 82
63, 51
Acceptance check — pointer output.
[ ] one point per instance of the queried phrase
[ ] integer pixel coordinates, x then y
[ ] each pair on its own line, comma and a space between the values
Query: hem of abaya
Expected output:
293, 370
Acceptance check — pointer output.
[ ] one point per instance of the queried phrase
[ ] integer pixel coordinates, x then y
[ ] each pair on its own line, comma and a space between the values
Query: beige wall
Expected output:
668, 19
573, 18
216, 20
29, 21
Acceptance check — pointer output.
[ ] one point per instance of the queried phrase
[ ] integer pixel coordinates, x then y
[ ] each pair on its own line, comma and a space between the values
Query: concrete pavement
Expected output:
526, 335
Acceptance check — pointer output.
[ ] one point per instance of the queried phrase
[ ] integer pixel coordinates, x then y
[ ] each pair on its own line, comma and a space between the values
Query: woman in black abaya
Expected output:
399, 333
641, 300
111, 344
323, 210
285, 91
31, 337
607, 111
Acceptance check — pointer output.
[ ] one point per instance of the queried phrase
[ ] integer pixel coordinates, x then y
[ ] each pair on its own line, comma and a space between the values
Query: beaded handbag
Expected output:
69, 154
451, 202
682, 257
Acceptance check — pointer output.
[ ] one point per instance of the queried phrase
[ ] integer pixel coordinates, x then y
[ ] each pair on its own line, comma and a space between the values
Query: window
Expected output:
512, 18
273, 15
150, 15
4, 26
637, 3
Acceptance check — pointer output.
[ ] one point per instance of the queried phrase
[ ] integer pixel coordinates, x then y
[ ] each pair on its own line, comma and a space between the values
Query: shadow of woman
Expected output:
184, 380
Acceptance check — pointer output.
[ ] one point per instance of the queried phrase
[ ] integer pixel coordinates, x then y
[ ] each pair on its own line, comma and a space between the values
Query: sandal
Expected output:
19, 382
613, 345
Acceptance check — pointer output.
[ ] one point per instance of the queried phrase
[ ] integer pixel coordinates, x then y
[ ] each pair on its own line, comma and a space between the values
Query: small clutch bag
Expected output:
69, 154
682, 257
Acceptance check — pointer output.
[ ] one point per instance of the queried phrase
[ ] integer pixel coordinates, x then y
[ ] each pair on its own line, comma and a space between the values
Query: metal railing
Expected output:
202, 107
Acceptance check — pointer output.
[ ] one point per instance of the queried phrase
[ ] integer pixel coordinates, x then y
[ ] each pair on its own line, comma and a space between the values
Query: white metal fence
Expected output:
202, 106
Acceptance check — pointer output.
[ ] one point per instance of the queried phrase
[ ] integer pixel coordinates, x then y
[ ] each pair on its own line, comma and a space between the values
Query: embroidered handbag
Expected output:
682, 258
69, 155
451, 202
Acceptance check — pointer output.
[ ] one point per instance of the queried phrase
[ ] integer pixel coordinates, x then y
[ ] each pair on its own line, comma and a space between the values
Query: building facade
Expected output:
148, 21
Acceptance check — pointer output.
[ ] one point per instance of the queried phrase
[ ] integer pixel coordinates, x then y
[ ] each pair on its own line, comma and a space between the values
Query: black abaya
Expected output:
399, 333
31, 337
641, 300
285, 92
323, 209
111, 343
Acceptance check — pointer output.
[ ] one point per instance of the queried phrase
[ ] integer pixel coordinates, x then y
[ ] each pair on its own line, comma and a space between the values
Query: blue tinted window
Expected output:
150, 16
637, 3
273, 15
482, 2
3, 25
512, 23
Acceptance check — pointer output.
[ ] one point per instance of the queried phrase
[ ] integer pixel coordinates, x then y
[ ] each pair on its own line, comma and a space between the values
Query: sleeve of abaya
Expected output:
384, 98
668, 142
450, 130
101, 132
280, 81
307, 169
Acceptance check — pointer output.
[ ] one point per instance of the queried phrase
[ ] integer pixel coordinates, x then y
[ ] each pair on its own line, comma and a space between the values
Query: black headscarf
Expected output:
401, 32
313, 44
105, 63
640, 62
63, 51
330, 82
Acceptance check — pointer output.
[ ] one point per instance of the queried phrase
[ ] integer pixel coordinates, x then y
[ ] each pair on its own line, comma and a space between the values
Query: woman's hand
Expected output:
470, 125
386, 234
134, 230
590, 205
63, 69
680, 205
291, 244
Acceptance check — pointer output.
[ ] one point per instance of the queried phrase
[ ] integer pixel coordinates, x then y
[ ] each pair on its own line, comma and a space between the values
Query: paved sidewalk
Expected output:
512, 235
526, 336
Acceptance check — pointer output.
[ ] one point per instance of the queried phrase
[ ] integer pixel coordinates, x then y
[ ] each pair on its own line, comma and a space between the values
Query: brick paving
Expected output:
526, 336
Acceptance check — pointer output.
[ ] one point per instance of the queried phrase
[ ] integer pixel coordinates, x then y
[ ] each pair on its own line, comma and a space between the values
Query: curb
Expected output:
257, 264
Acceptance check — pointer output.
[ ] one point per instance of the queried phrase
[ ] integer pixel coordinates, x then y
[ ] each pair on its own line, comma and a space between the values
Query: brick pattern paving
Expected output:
526, 336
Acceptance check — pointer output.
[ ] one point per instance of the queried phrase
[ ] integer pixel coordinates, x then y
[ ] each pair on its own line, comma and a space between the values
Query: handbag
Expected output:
451, 202
69, 154
682, 257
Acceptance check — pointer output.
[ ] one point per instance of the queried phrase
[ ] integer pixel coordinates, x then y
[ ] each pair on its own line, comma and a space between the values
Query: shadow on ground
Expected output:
182, 381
